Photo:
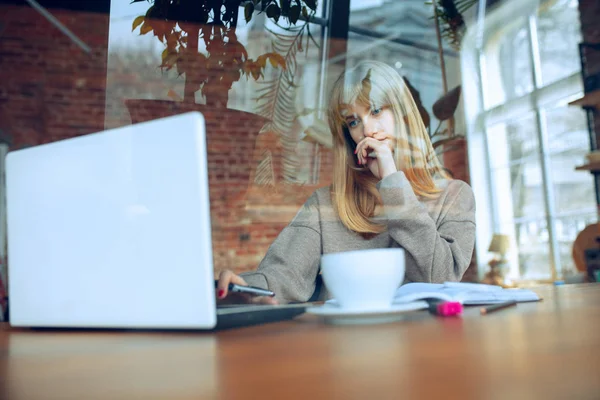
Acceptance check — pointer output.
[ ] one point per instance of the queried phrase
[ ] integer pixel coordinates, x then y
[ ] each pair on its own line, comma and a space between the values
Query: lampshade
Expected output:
500, 243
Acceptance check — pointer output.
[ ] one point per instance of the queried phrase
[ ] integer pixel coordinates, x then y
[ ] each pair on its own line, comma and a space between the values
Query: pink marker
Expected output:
446, 308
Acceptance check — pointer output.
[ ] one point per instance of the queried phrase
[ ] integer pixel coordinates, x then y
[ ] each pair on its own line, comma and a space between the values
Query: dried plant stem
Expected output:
442, 62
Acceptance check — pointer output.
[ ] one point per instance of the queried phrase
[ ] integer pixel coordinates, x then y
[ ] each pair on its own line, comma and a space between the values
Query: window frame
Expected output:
559, 91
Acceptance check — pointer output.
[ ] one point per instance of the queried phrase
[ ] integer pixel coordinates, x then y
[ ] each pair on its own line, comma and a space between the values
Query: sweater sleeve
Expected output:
291, 264
436, 251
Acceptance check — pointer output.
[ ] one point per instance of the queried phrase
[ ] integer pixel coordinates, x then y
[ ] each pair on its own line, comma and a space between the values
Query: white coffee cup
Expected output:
364, 279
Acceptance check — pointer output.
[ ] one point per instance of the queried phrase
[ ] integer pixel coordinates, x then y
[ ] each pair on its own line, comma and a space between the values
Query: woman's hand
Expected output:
377, 155
225, 297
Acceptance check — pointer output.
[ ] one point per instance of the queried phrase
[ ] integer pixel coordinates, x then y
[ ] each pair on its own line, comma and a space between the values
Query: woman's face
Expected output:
371, 122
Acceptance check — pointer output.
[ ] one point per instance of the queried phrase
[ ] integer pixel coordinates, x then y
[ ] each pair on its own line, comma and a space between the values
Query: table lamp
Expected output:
499, 245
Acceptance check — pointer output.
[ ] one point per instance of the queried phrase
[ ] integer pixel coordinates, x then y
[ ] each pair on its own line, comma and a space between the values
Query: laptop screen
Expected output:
112, 229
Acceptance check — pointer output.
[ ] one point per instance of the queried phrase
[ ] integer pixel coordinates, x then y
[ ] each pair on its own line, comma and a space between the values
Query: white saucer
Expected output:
334, 314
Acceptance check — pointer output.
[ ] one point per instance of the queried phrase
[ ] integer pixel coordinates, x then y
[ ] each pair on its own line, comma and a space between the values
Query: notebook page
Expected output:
466, 293
520, 295
418, 291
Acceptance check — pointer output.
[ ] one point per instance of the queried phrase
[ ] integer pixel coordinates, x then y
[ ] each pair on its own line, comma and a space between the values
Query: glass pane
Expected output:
567, 129
513, 141
573, 190
558, 34
420, 67
258, 154
134, 63
533, 250
518, 191
567, 228
507, 70
401, 23
408, 20
568, 142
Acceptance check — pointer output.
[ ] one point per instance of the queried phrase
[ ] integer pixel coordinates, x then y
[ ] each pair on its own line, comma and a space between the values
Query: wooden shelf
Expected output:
589, 167
590, 100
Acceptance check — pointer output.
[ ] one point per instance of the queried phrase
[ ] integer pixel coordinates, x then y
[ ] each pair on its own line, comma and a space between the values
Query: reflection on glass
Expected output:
400, 22
568, 142
573, 190
522, 138
132, 66
407, 20
137, 68
566, 229
420, 67
558, 35
513, 141
534, 249
507, 64
134, 72
519, 191
567, 130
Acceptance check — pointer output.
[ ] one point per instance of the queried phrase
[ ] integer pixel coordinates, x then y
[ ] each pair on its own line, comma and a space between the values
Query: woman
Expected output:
389, 190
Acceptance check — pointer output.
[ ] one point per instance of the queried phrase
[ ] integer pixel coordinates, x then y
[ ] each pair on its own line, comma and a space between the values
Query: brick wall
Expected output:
53, 90
246, 217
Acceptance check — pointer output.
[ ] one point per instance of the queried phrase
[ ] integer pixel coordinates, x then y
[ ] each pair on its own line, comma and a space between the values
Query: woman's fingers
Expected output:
225, 278
359, 151
366, 146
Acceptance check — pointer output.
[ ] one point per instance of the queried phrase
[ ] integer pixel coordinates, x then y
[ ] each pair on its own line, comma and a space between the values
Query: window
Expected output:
518, 80
401, 34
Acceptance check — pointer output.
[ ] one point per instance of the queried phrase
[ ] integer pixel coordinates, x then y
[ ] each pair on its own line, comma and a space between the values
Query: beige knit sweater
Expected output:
438, 236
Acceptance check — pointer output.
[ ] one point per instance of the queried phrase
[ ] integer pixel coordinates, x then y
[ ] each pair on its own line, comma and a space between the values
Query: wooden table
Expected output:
546, 350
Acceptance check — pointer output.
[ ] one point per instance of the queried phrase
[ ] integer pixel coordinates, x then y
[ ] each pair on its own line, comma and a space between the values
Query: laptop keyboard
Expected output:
233, 316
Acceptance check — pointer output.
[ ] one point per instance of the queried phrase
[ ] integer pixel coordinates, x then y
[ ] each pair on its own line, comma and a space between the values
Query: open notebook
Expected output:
465, 293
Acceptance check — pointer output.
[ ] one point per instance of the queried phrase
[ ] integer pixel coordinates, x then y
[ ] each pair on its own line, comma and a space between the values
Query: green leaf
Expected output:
312, 4
273, 12
137, 22
248, 11
294, 14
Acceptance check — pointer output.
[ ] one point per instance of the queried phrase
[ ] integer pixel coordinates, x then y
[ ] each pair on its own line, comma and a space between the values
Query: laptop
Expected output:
112, 230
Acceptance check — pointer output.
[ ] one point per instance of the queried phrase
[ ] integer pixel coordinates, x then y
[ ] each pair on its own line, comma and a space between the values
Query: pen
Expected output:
248, 289
496, 307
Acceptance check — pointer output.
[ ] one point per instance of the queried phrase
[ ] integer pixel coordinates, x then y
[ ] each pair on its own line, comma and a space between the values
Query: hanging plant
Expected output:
449, 14
277, 96
180, 24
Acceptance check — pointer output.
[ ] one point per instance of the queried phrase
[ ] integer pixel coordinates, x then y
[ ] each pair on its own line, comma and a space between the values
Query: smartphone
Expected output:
248, 289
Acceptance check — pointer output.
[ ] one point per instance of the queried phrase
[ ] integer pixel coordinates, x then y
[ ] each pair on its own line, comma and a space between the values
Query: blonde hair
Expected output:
354, 192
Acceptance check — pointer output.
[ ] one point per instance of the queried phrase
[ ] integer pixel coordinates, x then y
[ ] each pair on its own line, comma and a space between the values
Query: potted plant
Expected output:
181, 24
